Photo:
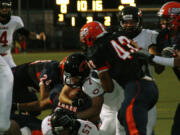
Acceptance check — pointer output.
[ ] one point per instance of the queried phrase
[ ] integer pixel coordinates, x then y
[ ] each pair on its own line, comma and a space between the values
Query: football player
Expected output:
90, 84
112, 56
6, 88
43, 76
169, 46
65, 122
10, 25
89, 100
131, 25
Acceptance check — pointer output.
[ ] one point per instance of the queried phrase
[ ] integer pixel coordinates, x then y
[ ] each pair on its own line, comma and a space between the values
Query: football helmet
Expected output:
133, 14
76, 70
169, 15
63, 119
5, 4
90, 32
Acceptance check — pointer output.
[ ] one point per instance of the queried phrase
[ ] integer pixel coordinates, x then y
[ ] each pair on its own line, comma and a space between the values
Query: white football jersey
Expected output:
92, 87
146, 38
85, 128
6, 32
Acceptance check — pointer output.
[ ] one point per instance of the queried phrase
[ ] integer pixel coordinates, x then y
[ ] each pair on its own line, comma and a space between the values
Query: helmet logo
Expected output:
174, 11
127, 17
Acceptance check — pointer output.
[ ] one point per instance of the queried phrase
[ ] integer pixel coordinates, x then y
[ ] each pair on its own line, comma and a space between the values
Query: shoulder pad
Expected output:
92, 87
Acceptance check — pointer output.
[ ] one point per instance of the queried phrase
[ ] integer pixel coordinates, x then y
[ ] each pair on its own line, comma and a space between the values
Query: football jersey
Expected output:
29, 74
6, 32
92, 87
86, 127
146, 38
113, 52
165, 40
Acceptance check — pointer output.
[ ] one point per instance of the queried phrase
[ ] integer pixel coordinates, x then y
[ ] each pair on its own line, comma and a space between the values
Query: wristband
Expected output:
164, 61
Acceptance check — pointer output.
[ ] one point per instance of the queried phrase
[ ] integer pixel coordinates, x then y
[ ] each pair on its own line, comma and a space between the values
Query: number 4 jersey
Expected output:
6, 32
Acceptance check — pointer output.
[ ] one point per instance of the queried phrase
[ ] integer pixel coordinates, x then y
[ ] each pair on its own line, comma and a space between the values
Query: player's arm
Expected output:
171, 62
158, 68
44, 91
64, 95
38, 105
101, 65
27, 34
106, 81
92, 111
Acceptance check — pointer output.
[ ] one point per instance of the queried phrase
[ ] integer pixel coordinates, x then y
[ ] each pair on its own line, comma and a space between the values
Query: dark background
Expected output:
41, 15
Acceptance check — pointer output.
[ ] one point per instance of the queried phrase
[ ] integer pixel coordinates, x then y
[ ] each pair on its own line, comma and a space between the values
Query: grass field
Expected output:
169, 90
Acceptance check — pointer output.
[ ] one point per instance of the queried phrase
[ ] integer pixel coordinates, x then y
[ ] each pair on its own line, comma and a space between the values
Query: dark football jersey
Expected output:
29, 74
165, 40
54, 95
113, 51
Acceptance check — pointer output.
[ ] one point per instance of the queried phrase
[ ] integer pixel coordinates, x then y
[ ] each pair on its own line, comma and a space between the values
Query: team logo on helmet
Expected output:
174, 11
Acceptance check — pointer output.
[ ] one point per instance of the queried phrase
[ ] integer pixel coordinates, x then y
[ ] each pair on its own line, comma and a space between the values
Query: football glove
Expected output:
142, 55
168, 52
82, 103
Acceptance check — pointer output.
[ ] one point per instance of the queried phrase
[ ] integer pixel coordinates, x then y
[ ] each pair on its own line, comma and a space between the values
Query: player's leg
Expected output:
108, 119
6, 86
175, 128
9, 59
152, 113
140, 96
14, 129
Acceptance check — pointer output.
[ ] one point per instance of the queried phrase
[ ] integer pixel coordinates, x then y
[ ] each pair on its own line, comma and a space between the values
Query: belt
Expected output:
3, 54
148, 78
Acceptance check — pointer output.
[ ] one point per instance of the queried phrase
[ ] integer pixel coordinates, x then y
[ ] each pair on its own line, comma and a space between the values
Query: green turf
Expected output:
169, 93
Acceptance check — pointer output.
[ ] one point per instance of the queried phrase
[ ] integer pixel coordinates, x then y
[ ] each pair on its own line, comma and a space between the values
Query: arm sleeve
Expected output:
23, 31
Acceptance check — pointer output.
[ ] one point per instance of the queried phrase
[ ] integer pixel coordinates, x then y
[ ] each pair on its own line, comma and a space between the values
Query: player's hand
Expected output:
168, 52
42, 36
82, 103
142, 55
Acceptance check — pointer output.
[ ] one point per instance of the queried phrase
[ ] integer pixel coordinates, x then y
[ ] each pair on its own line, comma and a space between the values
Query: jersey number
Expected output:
121, 52
86, 129
3, 38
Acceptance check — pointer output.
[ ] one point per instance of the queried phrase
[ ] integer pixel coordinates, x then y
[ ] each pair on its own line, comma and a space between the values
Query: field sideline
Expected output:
169, 92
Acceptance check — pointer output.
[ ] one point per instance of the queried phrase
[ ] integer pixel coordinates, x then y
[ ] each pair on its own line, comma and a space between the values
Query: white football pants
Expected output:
6, 89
